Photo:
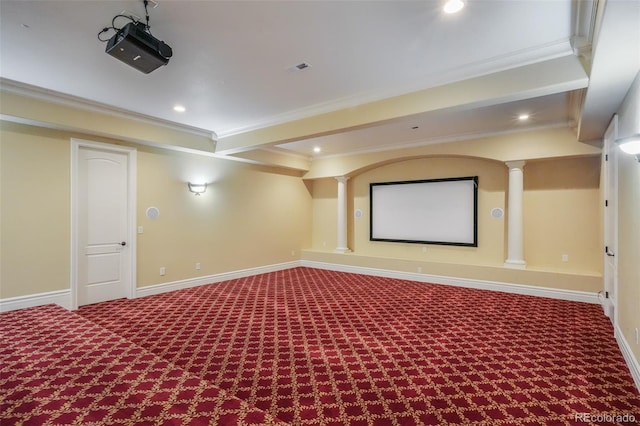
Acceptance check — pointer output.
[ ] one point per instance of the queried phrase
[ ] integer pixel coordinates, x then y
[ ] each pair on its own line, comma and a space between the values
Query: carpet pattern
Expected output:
57, 368
313, 347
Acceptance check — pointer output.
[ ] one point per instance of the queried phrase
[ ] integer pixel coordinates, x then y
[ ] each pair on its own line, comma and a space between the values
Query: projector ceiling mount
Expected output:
134, 44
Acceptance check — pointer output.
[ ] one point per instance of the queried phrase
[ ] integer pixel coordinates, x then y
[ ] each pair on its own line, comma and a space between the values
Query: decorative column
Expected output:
515, 223
342, 215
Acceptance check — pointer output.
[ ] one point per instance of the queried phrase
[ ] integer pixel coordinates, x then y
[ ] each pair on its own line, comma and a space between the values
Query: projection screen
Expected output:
434, 211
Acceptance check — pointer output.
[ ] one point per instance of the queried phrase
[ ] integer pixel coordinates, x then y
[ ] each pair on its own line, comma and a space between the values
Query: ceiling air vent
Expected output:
300, 67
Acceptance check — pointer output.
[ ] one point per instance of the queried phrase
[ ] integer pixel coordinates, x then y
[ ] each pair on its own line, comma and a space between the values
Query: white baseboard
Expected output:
529, 290
632, 362
63, 297
60, 297
210, 279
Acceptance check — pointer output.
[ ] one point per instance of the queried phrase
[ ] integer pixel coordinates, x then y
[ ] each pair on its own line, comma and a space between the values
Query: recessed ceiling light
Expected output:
317, 149
453, 6
179, 108
523, 117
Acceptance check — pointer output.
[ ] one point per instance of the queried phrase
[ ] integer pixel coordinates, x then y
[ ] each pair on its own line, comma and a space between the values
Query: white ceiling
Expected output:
232, 62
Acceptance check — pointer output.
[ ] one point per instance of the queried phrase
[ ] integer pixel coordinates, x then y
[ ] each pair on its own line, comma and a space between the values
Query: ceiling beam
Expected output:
541, 144
539, 79
276, 158
615, 64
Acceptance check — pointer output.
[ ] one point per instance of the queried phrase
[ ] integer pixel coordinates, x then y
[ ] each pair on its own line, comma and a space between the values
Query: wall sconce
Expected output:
630, 145
197, 188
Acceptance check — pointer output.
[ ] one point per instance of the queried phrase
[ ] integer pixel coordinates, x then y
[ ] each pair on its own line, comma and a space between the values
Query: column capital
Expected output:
342, 179
515, 164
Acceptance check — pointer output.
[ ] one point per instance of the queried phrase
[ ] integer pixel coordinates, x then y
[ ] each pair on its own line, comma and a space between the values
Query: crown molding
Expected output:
46, 95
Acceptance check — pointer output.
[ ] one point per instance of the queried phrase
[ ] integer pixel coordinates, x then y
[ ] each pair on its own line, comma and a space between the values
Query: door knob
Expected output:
124, 243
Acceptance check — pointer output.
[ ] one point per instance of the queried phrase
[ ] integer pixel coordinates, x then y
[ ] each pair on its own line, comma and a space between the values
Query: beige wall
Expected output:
629, 250
324, 234
629, 223
35, 203
562, 206
250, 216
561, 211
253, 216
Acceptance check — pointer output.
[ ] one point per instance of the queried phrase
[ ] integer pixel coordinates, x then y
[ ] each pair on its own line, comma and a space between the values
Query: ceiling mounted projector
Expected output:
135, 46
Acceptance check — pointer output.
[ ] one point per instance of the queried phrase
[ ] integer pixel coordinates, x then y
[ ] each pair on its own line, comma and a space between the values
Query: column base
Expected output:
342, 250
515, 264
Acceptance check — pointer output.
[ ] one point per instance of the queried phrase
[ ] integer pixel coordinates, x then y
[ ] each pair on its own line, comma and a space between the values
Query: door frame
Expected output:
76, 145
610, 229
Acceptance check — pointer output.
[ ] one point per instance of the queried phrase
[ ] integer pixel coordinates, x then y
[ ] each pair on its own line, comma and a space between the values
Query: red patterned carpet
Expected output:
316, 347
313, 347
57, 368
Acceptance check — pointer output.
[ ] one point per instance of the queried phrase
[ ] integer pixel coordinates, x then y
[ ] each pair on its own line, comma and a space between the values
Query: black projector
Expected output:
134, 46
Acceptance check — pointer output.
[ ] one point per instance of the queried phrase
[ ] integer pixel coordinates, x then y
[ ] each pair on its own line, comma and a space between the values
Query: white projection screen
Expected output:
435, 211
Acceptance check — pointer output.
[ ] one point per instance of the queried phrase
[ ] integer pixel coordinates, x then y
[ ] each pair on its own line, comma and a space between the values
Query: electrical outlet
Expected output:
293, 252
636, 335
565, 257
140, 230
163, 271
197, 265
419, 269
424, 249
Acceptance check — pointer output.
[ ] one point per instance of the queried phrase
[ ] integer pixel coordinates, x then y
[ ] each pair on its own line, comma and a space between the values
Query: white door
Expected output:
103, 225
610, 170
